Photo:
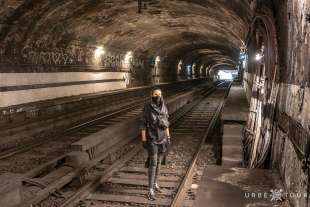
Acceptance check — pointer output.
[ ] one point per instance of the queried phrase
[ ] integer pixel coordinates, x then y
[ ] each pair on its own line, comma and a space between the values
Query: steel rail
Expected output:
187, 180
42, 194
26, 147
29, 146
93, 184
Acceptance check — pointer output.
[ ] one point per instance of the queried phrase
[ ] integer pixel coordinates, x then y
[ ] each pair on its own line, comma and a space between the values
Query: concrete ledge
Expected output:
236, 107
109, 135
232, 153
233, 130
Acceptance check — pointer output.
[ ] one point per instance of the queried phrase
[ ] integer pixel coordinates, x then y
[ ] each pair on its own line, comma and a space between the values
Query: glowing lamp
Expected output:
258, 57
128, 57
99, 51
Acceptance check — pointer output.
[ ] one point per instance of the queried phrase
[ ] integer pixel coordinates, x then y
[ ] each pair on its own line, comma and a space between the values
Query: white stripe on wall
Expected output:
17, 79
26, 96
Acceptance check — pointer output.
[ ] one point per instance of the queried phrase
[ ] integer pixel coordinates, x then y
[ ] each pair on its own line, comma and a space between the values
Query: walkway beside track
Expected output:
230, 184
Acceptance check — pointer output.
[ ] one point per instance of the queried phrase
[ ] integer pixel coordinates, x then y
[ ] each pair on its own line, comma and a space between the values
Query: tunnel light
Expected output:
180, 66
99, 51
201, 68
157, 59
194, 68
258, 57
189, 70
128, 57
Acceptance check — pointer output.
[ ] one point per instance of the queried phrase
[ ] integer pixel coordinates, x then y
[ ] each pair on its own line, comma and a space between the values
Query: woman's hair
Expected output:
156, 89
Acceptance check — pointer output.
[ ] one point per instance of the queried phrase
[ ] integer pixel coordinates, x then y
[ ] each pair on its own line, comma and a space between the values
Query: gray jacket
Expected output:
155, 121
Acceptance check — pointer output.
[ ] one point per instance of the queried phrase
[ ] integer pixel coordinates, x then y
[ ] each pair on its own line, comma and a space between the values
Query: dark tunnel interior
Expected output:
66, 64
201, 32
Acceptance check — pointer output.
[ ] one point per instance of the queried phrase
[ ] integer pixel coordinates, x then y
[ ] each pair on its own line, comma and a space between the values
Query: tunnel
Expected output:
78, 87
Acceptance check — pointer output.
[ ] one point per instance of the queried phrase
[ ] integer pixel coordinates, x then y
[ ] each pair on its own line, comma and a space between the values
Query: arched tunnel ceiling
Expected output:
210, 29
209, 56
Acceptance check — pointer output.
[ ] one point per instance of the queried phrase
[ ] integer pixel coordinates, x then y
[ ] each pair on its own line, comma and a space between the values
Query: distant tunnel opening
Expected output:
225, 75
224, 72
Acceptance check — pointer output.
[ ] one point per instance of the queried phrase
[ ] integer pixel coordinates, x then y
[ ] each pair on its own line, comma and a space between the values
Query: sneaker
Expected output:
157, 188
151, 195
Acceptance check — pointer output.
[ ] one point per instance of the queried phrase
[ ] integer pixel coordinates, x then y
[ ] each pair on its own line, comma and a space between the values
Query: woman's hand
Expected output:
168, 140
143, 136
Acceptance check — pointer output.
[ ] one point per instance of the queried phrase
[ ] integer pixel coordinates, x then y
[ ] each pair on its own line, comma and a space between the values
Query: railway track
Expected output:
122, 181
27, 157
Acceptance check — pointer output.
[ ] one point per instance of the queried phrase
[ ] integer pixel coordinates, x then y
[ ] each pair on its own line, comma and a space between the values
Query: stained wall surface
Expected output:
67, 48
278, 89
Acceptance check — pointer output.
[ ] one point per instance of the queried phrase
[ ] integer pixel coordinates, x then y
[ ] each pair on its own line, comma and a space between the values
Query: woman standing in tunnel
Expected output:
155, 137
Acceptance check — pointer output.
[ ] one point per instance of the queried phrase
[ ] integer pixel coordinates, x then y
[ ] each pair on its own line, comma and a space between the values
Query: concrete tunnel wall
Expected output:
285, 116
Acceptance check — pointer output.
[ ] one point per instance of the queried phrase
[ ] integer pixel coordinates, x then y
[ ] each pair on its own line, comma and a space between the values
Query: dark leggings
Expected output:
155, 155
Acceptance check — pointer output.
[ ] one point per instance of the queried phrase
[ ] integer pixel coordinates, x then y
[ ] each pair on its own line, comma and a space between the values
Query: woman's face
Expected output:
156, 93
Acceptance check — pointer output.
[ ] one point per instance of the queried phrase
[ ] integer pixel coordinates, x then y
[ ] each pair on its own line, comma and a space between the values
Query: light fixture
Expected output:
127, 59
99, 51
201, 68
157, 59
258, 57
189, 70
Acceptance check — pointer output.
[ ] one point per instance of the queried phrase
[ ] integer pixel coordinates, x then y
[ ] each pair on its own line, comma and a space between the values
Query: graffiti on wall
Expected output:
72, 56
